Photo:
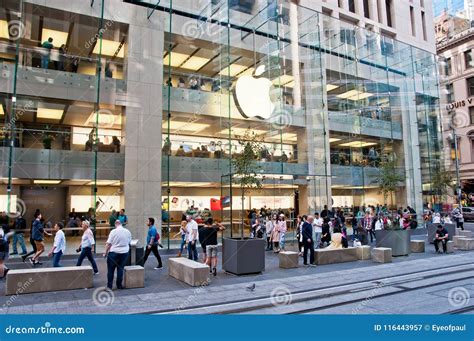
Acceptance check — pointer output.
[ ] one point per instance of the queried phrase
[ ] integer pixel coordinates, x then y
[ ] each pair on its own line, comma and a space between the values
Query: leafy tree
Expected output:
388, 178
245, 166
441, 182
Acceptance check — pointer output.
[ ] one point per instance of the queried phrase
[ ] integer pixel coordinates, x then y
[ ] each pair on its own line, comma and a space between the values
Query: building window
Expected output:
379, 12
471, 115
470, 86
449, 93
366, 9
388, 11
423, 25
352, 7
448, 67
339, 3
386, 48
469, 59
412, 21
348, 37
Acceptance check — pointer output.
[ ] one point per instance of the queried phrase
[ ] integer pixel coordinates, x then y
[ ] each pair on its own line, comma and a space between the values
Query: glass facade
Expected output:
328, 102
342, 100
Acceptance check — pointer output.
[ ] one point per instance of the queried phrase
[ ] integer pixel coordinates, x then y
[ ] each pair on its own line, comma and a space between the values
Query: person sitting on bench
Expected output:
441, 235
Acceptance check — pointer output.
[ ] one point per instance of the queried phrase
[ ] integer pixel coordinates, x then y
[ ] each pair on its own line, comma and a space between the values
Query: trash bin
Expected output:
136, 254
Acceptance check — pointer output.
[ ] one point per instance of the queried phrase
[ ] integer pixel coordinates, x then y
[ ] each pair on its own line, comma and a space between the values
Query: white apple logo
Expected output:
252, 95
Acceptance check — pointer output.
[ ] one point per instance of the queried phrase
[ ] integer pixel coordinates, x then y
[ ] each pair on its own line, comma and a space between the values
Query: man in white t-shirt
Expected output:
116, 251
192, 236
318, 229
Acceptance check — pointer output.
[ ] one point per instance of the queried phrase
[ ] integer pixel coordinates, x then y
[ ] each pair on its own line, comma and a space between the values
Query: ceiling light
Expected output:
176, 59
59, 37
106, 119
232, 70
354, 95
333, 139
46, 182
104, 183
248, 72
242, 131
357, 144
185, 126
109, 48
194, 63
2, 112
283, 80
330, 87
49, 114
4, 29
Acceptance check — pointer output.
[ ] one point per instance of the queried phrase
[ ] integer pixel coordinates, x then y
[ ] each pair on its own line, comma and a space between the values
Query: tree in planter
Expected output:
246, 168
441, 182
388, 178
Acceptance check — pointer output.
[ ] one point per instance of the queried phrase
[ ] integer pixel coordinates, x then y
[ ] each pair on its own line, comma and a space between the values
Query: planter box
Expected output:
397, 240
451, 228
243, 256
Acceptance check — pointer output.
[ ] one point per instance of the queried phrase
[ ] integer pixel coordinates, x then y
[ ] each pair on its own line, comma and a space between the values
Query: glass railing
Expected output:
353, 123
52, 68
64, 139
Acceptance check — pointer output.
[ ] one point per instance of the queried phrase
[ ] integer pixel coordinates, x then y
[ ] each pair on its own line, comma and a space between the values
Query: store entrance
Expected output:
51, 201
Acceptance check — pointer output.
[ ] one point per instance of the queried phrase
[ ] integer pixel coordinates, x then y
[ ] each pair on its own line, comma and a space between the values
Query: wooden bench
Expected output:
331, 256
26, 281
189, 271
382, 254
288, 259
134, 276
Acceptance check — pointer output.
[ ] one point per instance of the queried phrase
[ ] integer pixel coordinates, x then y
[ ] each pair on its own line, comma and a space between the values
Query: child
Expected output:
59, 246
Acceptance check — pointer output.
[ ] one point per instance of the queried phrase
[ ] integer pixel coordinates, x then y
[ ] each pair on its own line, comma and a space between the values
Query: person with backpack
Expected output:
153, 241
4, 249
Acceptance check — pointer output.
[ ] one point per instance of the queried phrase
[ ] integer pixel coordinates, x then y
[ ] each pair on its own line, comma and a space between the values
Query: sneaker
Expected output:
23, 254
23, 258
38, 263
214, 271
13, 253
96, 273
159, 267
32, 262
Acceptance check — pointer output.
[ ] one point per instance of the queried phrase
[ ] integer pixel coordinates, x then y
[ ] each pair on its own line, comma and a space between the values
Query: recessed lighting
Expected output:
357, 144
242, 131
59, 37
330, 87
194, 63
109, 48
283, 80
333, 139
46, 182
354, 95
232, 70
185, 126
2, 112
49, 114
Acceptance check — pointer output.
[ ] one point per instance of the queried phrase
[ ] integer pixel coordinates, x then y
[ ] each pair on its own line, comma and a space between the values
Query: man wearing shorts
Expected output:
38, 237
211, 244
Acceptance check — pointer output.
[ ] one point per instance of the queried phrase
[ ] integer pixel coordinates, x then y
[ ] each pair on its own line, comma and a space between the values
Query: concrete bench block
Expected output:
456, 240
134, 277
288, 259
466, 234
466, 244
363, 252
382, 254
417, 246
331, 256
450, 246
27, 281
189, 271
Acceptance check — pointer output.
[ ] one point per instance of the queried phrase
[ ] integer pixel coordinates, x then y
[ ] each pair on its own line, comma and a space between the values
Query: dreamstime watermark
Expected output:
22, 286
92, 41
459, 297
19, 112
104, 118
281, 296
191, 298
20, 209
16, 29
369, 298
103, 297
